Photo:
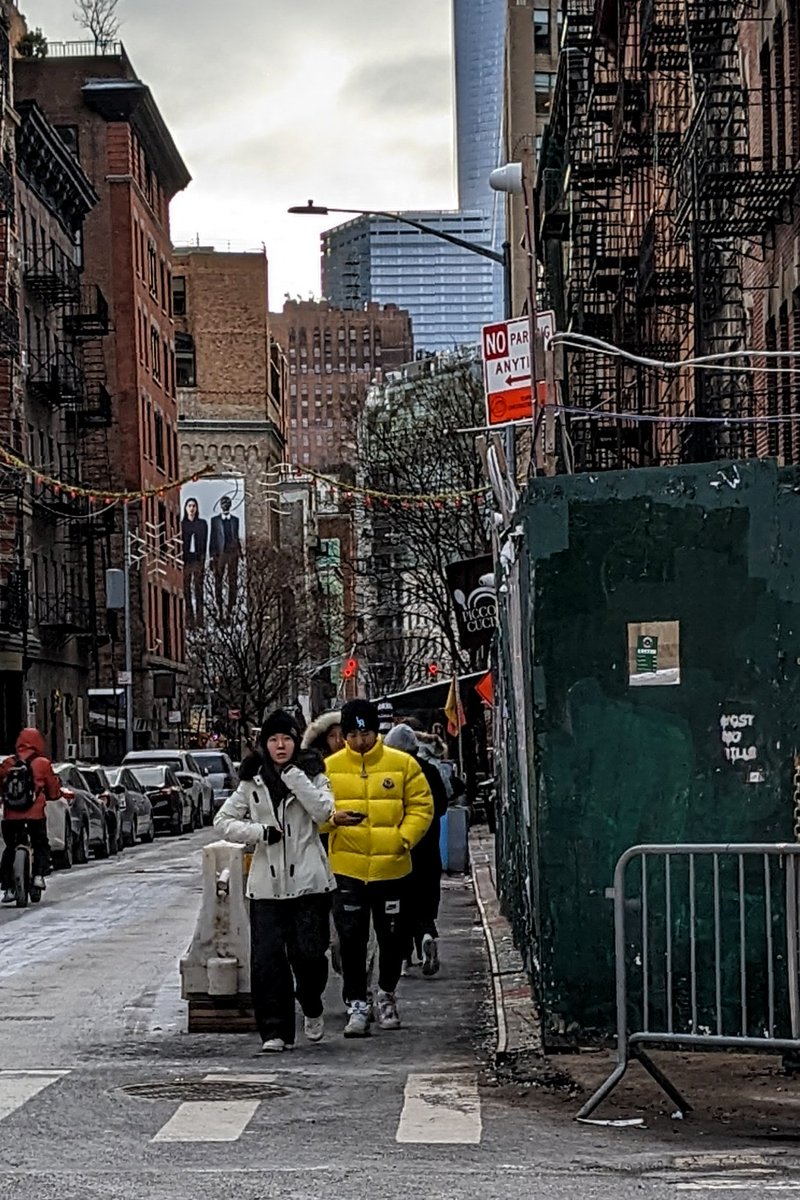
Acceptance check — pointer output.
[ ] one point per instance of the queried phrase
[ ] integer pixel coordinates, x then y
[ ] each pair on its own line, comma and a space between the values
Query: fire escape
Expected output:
72, 379
663, 173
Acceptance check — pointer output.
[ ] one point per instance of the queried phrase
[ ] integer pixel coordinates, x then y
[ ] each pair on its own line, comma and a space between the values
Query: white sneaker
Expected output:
314, 1028
358, 1020
38, 882
388, 1016
430, 955
9, 897
273, 1046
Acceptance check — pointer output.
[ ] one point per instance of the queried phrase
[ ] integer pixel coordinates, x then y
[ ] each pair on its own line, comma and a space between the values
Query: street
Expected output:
102, 1093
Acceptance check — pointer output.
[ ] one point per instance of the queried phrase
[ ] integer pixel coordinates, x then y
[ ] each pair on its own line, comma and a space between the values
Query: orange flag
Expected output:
485, 689
454, 710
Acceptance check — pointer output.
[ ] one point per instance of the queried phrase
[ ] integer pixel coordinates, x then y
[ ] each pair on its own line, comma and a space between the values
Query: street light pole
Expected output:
126, 537
322, 210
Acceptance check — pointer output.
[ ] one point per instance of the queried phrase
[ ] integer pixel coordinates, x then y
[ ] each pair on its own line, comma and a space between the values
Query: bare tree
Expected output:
262, 652
410, 446
100, 18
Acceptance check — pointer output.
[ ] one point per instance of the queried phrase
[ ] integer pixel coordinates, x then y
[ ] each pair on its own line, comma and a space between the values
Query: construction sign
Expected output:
507, 368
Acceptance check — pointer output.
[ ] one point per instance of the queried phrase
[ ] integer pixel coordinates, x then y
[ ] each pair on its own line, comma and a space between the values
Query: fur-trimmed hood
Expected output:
314, 736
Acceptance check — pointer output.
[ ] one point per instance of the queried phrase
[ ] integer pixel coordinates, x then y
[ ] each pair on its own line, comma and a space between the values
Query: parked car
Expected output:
182, 761
60, 833
89, 828
221, 773
137, 814
99, 785
172, 805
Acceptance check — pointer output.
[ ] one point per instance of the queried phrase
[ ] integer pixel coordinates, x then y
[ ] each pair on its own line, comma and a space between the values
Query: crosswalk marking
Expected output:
208, 1121
18, 1087
440, 1110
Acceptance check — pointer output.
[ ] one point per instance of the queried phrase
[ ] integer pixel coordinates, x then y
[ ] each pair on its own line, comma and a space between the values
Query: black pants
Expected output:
12, 832
353, 904
424, 892
288, 944
193, 580
226, 569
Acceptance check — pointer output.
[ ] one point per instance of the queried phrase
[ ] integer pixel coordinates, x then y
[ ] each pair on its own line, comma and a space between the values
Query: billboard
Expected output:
213, 532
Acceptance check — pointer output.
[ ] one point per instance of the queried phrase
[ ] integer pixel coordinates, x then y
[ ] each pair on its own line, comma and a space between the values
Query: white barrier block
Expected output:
217, 962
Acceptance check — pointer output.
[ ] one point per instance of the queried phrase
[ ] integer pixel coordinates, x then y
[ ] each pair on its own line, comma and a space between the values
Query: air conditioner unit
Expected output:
90, 747
72, 750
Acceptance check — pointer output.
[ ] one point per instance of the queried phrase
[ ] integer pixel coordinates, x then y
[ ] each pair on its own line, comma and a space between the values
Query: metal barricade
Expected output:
707, 954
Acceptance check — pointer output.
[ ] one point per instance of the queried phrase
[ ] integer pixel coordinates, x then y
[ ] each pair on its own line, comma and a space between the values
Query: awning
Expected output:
431, 695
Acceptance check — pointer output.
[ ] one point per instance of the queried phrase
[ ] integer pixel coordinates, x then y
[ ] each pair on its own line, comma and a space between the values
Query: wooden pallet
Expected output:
221, 1014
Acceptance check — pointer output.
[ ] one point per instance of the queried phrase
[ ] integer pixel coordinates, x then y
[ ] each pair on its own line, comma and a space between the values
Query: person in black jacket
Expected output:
194, 534
426, 860
224, 551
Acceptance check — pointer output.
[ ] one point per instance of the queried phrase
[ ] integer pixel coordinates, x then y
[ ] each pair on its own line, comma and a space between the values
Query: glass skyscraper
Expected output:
449, 292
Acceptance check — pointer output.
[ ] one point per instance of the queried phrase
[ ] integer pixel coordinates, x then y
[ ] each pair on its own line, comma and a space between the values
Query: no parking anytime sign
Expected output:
507, 367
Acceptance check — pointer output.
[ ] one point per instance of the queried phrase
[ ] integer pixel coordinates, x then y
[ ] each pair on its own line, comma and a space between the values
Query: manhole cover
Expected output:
201, 1089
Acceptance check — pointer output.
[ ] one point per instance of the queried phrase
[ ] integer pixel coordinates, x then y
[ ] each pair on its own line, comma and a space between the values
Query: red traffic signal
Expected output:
350, 668
433, 670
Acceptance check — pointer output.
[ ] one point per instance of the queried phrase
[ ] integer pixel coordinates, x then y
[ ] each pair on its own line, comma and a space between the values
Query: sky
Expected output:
273, 102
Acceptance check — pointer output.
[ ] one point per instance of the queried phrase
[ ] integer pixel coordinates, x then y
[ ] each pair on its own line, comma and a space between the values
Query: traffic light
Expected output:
433, 670
350, 668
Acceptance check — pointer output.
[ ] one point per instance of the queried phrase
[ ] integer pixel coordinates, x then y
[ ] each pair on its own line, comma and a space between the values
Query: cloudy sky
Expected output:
275, 101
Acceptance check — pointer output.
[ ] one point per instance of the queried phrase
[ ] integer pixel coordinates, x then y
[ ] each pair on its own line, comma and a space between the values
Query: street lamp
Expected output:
503, 257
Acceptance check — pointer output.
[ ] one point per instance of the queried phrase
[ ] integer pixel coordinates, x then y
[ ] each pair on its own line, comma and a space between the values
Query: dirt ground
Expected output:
733, 1096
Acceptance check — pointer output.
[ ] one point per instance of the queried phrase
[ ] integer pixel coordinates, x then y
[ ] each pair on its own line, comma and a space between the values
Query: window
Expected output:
69, 136
166, 625
543, 84
179, 295
185, 361
159, 439
152, 267
541, 30
155, 353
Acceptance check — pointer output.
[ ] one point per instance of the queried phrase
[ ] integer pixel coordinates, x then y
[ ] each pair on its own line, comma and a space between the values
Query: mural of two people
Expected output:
221, 547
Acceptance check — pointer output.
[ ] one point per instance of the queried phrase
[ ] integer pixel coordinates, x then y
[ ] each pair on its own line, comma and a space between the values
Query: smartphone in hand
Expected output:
357, 816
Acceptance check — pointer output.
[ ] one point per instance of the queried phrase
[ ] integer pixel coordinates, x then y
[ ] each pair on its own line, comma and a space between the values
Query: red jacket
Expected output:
30, 744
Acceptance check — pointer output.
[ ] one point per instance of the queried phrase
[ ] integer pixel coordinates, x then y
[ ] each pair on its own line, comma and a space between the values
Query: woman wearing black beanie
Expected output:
282, 799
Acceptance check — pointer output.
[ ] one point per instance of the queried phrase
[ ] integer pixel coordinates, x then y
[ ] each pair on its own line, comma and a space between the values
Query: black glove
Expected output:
272, 835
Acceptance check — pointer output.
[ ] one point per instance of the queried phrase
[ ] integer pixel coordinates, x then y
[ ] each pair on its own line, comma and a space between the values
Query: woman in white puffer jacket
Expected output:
278, 806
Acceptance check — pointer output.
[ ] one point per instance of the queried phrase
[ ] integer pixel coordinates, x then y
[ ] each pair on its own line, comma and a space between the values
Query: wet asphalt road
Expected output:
103, 1094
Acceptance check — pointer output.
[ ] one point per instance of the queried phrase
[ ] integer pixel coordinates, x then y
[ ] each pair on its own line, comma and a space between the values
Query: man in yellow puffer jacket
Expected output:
383, 808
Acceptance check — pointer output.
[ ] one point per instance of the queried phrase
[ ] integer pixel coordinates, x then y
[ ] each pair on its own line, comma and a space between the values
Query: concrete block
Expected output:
217, 962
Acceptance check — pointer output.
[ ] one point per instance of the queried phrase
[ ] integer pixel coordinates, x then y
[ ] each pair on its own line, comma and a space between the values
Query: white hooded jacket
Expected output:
297, 865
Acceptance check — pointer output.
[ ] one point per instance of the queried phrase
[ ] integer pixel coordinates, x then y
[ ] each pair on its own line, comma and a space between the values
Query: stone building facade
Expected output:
231, 375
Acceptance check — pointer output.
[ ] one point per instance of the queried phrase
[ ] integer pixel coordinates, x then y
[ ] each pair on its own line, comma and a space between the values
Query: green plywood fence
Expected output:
709, 558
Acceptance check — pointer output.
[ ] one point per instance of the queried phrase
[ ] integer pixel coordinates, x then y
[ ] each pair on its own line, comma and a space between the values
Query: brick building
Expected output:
533, 29
111, 123
669, 221
64, 411
231, 374
334, 355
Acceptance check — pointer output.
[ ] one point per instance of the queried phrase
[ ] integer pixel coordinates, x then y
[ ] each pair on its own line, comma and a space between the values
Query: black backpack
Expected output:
19, 788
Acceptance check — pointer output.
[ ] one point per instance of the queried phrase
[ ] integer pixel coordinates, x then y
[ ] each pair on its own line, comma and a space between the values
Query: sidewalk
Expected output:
733, 1096
518, 1026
